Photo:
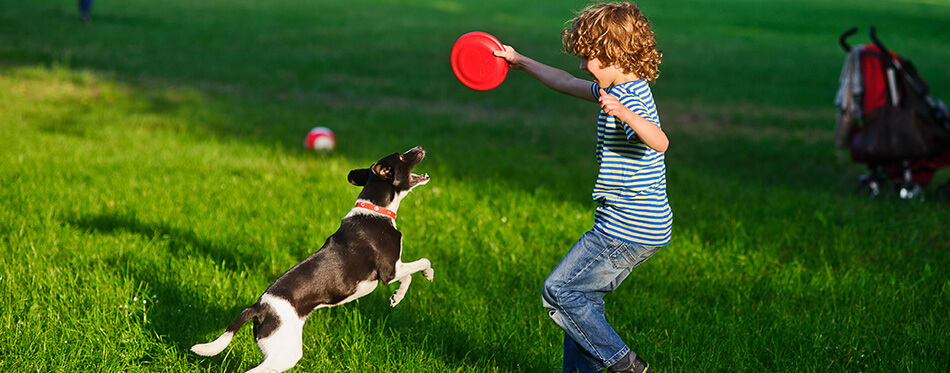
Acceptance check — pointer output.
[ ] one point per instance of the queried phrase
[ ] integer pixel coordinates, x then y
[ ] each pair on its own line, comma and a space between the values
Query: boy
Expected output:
617, 48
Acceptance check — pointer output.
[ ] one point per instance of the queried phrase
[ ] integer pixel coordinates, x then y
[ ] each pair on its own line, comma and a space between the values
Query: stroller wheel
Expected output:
871, 185
911, 191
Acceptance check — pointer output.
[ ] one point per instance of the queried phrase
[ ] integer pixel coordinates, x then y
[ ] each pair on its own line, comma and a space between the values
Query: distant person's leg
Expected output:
85, 7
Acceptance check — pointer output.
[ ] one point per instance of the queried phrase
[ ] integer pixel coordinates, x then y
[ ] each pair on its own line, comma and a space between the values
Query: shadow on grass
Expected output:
179, 316
180, 242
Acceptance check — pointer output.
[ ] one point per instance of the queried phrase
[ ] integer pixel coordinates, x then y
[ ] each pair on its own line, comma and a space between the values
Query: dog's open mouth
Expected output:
419, 179
416, 155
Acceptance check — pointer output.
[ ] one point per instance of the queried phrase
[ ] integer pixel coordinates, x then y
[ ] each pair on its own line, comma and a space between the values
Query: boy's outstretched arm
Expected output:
649, 133
556, 79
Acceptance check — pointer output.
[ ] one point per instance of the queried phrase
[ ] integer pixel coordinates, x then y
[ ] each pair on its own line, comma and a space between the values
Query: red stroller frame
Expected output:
887, 121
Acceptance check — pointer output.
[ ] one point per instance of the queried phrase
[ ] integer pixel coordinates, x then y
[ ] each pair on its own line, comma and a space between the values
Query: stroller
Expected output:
887, 120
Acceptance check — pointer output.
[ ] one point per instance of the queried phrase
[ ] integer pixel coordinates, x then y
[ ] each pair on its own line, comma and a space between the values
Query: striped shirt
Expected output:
631, 182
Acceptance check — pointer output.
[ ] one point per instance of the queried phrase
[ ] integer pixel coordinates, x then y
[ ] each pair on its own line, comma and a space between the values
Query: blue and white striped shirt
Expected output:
631, 182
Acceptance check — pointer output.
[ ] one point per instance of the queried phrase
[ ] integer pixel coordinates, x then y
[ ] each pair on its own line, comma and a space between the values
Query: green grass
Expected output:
153, 184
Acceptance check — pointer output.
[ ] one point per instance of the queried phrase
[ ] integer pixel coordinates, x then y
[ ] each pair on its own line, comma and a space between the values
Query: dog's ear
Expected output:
358, 177
384, 172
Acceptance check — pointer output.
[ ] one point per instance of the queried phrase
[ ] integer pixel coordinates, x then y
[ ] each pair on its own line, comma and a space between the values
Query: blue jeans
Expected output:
575, 290
84, 7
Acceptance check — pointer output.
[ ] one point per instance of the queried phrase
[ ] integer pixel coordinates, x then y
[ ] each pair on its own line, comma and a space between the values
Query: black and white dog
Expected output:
365, 251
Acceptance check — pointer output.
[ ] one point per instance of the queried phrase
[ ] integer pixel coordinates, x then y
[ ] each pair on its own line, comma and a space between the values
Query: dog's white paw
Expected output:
429, 273
395, 299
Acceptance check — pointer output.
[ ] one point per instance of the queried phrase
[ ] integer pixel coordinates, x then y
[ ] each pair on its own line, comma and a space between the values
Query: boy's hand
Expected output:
611, 104
515, 60
649, 133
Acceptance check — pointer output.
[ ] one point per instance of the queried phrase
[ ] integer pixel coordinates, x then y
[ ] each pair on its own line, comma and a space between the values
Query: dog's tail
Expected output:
218, 345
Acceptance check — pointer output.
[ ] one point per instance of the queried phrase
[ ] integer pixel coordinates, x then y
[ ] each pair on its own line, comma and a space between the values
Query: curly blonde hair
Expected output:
617, 34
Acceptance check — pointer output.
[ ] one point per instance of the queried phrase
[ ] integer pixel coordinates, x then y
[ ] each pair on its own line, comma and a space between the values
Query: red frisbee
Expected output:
475, 65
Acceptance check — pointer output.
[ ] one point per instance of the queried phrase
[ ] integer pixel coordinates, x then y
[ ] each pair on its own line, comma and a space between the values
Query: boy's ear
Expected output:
384, 172
358, 177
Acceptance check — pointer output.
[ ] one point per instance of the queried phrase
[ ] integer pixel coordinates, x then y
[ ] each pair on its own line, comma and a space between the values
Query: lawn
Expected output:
153, 183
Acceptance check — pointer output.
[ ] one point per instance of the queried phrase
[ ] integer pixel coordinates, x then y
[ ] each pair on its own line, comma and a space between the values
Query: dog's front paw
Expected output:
395, 299
429, 273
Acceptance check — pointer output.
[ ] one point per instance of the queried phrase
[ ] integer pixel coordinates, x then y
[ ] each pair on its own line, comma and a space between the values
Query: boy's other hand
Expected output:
610, 104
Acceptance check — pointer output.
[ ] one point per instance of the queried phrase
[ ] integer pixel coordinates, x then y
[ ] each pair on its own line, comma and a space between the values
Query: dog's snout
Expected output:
415, 151
415, 155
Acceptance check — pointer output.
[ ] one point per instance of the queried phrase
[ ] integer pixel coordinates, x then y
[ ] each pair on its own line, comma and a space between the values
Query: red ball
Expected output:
320, 138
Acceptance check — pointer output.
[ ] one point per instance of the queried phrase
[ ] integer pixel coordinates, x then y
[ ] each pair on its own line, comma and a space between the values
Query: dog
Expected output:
364, 252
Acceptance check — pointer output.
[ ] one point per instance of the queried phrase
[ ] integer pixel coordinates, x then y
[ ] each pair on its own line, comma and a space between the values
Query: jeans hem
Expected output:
614, 359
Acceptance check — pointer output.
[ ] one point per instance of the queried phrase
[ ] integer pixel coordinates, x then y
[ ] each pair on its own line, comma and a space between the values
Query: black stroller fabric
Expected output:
890, 133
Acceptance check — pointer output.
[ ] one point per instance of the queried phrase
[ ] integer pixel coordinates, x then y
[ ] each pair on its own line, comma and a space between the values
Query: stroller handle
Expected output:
843, 39
885, 54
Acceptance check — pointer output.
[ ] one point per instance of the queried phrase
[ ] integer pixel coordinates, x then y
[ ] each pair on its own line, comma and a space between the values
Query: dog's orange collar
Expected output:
372, 207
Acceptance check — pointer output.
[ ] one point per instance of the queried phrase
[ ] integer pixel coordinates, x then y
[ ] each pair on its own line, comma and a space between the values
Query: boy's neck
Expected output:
626, 78
620, 78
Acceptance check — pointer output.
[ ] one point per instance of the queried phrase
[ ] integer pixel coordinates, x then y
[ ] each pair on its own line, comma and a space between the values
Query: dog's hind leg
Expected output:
280, 338
404, 273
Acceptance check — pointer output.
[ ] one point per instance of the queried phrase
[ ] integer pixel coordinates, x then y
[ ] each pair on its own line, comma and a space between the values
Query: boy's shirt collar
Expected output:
610, 88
